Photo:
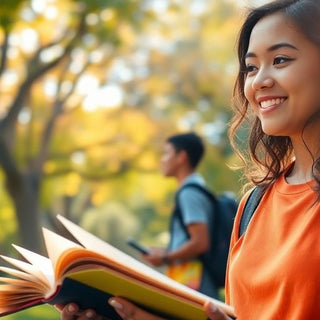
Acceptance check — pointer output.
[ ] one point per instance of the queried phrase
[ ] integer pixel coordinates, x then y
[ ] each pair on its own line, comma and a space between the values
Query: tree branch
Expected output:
57, 110
4, 51
36, 69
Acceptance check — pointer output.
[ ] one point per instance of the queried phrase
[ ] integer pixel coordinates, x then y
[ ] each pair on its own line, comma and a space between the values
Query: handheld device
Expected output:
134, 244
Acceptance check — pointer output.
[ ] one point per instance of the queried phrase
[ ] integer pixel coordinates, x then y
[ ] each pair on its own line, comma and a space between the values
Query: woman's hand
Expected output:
71, 312
125, 309
214, 313
128, 311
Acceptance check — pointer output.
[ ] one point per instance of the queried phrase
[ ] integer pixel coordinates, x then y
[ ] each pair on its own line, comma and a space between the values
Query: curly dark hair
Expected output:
268, 156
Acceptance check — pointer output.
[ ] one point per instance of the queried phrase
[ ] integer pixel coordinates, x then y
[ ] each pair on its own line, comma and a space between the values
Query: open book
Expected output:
89, 274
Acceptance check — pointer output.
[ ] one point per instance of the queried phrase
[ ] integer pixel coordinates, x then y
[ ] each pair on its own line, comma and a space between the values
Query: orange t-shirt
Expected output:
274, 268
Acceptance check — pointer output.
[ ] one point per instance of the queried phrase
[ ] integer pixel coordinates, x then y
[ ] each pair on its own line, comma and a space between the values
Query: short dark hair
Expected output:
191, 143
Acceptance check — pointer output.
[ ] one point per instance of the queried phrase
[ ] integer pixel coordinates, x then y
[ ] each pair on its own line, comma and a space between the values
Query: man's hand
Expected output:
155, 256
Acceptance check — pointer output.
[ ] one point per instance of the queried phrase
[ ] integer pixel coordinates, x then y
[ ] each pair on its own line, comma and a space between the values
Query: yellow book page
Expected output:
143, 294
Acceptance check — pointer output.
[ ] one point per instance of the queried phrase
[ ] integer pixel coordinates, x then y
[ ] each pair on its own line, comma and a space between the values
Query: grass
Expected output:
44, 312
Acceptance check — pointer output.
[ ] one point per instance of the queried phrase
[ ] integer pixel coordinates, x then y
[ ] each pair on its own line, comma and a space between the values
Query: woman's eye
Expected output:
279, 60
250, 68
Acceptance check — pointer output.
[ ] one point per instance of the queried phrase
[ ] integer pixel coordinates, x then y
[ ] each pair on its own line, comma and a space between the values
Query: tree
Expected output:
53, 51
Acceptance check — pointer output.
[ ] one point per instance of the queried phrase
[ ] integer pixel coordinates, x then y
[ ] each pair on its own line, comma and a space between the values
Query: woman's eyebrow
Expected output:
282, 45
272, 48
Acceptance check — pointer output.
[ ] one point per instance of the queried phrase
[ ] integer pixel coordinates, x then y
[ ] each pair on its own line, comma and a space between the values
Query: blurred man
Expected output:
189, 232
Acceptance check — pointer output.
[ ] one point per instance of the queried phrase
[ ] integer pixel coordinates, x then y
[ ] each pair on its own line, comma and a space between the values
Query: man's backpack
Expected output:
220, 227
224, 208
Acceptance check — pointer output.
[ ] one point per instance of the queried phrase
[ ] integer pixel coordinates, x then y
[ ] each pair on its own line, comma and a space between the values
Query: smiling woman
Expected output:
273, 268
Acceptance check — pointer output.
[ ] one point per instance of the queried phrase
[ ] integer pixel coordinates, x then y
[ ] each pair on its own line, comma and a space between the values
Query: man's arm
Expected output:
197, 244
194, 207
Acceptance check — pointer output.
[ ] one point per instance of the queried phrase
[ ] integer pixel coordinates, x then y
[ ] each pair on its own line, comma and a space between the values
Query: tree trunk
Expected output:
24, 192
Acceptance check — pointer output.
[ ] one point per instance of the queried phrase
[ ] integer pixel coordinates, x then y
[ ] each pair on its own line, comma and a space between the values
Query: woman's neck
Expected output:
301, 170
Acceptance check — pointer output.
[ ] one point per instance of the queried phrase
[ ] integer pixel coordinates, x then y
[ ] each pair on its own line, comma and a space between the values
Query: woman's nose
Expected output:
262, 80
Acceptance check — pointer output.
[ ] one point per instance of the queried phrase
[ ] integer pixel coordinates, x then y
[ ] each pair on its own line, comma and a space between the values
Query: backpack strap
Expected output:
177, 212
249, 209
204, 189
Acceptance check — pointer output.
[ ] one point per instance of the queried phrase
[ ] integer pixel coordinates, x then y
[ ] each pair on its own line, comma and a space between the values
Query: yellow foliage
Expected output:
156, 85
127, 35
114, 165
137, 125
148, 161
155, 187
98, 198
50, 167
49, 28
7, 222
71, 184
102, 192
110, 17
88, 128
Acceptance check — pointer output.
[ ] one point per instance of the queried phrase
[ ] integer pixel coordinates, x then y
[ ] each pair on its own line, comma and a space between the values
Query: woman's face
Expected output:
282, 82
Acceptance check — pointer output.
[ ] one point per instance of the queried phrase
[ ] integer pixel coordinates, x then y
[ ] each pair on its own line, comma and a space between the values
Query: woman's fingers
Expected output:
214, 313
71, 312
129, 311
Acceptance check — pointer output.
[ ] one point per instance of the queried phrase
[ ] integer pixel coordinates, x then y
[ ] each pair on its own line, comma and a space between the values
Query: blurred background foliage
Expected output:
89, 90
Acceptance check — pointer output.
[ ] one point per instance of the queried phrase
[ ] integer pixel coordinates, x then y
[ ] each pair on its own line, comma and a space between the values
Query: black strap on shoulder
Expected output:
249, 209
198, 186
177, 210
